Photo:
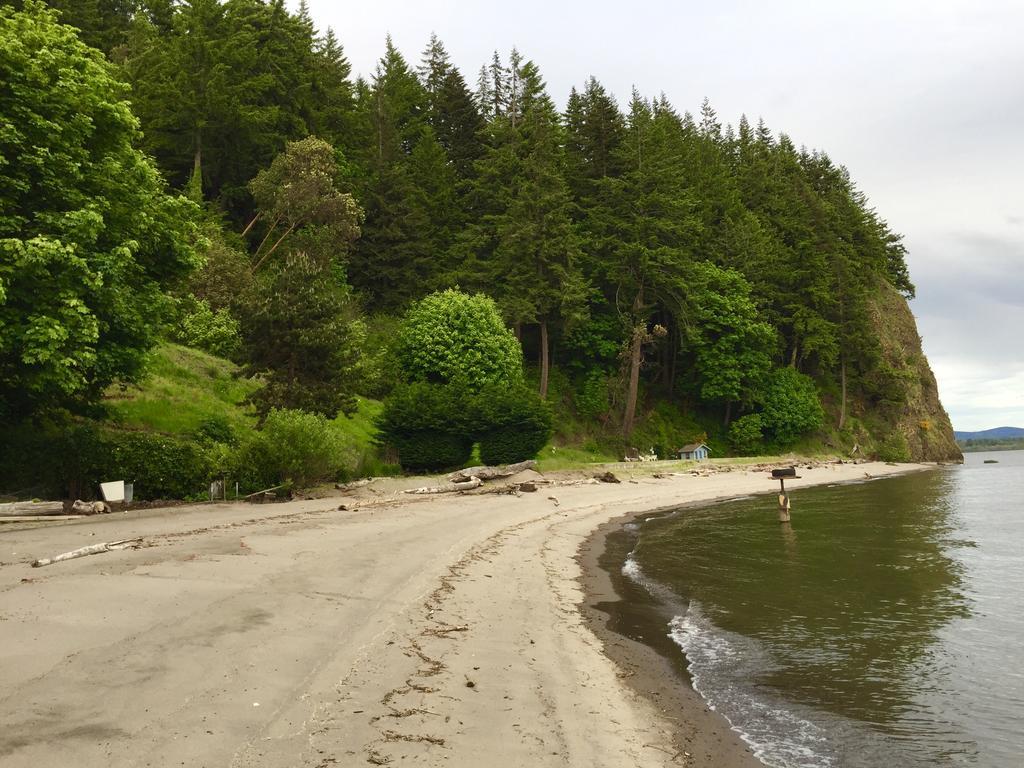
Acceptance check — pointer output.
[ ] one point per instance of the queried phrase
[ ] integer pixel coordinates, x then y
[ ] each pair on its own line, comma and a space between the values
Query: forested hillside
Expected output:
670, 277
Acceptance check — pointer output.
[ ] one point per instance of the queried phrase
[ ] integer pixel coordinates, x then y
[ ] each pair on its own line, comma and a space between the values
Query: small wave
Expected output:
722, 666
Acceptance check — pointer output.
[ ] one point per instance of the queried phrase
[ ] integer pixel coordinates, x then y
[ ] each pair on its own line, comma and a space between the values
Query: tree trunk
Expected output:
842, 402
792, 356
197, 164
635, 357
517, 329
728, 413
545, 359
673, 360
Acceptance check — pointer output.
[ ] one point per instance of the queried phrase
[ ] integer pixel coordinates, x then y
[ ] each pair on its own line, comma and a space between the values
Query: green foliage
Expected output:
434, 426
161, 467
790, 406
732, 347
592, 398
432, 450
295, 447
428, 425
64, 459
894, 448
303, 338
513, 423
451, 336
297, 193
746, 434
88, 236
199, 326
216, 429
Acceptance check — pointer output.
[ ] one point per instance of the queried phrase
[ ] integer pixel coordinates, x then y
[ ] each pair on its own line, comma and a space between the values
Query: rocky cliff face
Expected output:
917, 416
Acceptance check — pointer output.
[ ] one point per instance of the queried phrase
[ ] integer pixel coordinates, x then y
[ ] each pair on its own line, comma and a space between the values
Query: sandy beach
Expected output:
403, 630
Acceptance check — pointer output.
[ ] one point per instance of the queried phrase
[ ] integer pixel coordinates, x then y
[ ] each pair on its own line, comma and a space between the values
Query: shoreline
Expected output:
617, 610
389, 630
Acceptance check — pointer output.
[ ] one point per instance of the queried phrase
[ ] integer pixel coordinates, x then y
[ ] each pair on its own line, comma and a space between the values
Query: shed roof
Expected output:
691, 447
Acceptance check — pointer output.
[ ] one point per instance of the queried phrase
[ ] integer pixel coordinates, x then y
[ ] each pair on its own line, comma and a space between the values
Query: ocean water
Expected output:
883, 627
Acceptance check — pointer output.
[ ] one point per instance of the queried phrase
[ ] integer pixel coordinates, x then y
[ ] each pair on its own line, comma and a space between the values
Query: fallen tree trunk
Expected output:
465, 485
92, 549
37, 518
21, 508
490, 473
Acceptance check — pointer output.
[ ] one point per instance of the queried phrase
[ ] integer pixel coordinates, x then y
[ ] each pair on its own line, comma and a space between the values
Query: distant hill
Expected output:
997, 433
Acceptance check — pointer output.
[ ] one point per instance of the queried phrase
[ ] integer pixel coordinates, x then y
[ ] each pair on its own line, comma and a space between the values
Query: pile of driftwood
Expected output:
473, 477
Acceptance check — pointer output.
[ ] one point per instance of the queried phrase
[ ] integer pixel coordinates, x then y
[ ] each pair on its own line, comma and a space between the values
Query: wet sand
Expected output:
402, 630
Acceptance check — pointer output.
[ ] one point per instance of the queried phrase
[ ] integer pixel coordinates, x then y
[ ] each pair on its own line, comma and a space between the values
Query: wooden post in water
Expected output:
781, 475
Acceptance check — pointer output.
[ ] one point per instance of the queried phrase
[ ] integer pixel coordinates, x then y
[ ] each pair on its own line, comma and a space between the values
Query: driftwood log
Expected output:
38, 518
22, 508
465, 485
90, 508
490, 473
92, 549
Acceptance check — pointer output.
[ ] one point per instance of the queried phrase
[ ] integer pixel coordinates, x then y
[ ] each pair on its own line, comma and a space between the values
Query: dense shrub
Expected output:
790, 406
161, 467
428, 450
451, 336
746, 433
216, 429
296, 447
894, 448
216, 332
428, 425
70, 461
592, 400
434, 426
512, 424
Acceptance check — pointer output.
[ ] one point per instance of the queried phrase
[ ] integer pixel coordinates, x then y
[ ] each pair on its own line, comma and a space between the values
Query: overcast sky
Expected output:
923, 100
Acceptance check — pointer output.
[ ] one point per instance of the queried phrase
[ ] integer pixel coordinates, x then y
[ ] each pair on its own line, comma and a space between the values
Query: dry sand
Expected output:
406, 631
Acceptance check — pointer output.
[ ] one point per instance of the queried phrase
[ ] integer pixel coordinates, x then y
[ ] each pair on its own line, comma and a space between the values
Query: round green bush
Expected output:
451, 336
294, 446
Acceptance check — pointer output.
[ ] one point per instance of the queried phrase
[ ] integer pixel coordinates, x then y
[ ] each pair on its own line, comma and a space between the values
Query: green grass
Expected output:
182, 387
552, 457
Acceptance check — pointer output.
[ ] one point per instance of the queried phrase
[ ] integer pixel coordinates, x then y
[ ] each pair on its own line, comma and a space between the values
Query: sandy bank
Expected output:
427, 632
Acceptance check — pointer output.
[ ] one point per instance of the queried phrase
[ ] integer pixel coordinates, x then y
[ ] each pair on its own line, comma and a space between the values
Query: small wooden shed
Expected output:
694, 452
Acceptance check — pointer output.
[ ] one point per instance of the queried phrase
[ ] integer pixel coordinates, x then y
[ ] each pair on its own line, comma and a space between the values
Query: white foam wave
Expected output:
722, 666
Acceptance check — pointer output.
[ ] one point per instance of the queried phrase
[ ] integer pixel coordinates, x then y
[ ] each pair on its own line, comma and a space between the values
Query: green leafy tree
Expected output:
299, 190
452, 336
732, 347
89, 238
791, 407
303, 336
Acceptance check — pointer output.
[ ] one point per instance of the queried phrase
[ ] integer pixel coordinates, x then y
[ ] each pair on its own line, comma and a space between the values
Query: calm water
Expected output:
884, 627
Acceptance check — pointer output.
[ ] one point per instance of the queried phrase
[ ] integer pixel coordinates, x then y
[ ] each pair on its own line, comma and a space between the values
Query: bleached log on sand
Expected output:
490, 473
92, 549
22, 508
466, 485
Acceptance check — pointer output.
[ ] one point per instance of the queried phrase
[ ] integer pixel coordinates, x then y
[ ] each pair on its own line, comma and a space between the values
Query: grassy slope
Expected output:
184, 386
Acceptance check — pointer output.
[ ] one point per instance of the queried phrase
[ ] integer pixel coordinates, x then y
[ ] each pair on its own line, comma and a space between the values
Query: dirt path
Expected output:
444, 631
